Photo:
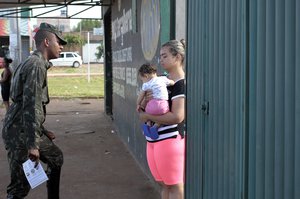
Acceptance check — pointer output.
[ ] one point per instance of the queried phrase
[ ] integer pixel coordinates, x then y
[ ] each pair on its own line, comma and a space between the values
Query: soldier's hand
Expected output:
34, 155
50, 135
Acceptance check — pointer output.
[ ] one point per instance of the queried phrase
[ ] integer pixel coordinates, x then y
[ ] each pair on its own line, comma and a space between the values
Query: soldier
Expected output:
23, 132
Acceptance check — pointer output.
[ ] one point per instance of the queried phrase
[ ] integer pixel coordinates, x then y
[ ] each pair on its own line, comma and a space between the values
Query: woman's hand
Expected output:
175, 116
144, 117
140, 108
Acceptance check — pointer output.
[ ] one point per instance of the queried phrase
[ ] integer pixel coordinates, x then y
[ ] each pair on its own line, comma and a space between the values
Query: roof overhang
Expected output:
12, 8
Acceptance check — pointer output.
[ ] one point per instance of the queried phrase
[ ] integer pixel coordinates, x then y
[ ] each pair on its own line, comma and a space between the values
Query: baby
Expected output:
158, 105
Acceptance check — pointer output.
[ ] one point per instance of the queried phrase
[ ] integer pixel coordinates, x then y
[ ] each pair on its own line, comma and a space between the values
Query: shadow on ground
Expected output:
97, 164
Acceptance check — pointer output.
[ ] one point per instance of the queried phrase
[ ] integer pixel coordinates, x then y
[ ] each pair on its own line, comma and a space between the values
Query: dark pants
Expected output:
49, 154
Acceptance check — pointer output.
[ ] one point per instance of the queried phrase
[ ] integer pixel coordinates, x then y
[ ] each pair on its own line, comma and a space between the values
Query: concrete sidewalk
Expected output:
97, 164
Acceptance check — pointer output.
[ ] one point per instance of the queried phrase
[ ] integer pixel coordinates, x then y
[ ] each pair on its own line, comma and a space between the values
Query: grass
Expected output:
73, 87
94, 68
76, 87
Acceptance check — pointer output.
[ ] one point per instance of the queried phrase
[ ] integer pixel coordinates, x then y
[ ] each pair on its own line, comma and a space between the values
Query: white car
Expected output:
67, 59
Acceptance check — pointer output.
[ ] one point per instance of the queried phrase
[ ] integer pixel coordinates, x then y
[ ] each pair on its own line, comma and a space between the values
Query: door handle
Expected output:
205, 108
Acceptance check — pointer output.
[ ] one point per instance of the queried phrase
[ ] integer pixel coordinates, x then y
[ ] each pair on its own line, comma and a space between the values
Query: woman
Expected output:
5, 82
166, 154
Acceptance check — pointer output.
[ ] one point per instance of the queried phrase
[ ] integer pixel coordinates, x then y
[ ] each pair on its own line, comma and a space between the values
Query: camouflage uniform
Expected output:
23, 127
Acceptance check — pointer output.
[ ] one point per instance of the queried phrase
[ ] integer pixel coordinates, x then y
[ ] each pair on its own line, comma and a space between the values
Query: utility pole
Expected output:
89, 67
15, 44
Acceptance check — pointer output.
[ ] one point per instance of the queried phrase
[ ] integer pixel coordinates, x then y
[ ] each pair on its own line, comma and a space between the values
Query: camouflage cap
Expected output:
54, 30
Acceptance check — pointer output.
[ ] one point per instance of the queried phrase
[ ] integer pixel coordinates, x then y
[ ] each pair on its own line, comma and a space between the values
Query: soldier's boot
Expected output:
53, 183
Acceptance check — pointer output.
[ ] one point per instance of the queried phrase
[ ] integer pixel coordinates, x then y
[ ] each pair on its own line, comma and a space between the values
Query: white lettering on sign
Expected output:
126, 74
119, 73
119, 89
131, 76
122, 25
123, 55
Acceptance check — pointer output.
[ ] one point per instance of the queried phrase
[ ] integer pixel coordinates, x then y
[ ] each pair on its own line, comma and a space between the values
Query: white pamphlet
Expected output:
35, 175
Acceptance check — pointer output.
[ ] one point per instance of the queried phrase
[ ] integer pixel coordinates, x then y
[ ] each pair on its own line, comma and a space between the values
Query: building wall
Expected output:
10, 37
215, 103
95, 41
243, 95
5, 27
274, 102
180, 20
25, 47
62, 24
88, 53
136, 39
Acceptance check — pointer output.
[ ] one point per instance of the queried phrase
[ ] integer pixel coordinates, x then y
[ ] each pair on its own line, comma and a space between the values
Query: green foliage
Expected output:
88, 25
100, 51
74, 40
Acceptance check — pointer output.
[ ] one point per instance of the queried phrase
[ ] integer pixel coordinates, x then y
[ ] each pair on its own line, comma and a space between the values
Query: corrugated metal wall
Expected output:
274, 125
215, 76
195, 88
243, 58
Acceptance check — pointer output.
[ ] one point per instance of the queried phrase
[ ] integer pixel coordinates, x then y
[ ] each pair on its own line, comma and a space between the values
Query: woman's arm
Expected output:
175, 116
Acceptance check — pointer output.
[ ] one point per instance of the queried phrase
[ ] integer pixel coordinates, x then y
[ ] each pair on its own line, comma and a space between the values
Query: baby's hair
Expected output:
147, 68
7, 60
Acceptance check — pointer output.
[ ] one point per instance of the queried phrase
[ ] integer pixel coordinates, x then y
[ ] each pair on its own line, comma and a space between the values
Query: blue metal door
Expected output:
243, 99
215, 99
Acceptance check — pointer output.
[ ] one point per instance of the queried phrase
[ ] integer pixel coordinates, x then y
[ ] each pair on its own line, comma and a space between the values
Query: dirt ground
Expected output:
96, 163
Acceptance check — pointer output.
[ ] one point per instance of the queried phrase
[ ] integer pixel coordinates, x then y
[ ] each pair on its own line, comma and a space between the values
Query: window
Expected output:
69, 55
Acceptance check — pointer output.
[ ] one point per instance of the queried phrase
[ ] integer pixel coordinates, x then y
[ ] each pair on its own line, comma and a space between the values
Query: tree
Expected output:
100, 51
74, 40
88, 25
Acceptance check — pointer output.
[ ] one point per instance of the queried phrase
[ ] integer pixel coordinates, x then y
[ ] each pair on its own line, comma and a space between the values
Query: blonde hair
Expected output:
176, 47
